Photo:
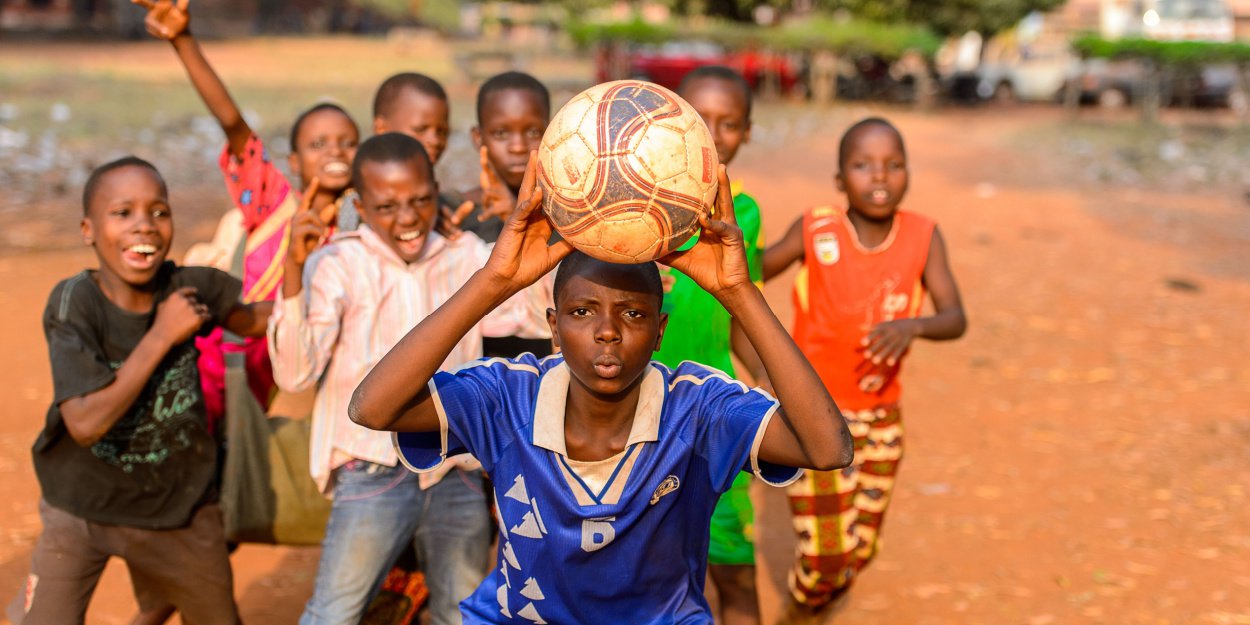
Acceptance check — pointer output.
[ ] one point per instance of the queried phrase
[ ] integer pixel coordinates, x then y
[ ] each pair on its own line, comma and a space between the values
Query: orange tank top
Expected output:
844, 289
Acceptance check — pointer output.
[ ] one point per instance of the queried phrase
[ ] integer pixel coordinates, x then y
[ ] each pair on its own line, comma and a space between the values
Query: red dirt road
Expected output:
1079, 457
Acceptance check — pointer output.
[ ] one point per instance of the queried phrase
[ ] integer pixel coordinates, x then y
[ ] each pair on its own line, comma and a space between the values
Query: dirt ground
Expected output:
1079, 457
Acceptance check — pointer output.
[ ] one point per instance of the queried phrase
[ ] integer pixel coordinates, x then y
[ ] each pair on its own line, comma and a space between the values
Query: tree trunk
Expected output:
1072, 91
824, 77
1239, 100
1151, 86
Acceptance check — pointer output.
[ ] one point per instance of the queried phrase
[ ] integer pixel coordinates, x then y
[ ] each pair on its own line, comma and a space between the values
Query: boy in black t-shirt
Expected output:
125, 463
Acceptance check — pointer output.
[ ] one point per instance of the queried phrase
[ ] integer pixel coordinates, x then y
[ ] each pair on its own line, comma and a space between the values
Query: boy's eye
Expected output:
317, 144
634, 314
534, 133
579, 312
499, 135
896, 165
121, 212
385, 208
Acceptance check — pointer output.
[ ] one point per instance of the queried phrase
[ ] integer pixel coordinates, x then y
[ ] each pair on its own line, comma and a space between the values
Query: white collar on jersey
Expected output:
553, 392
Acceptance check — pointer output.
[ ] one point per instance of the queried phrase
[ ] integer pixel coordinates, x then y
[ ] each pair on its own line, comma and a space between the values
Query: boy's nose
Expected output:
607, 332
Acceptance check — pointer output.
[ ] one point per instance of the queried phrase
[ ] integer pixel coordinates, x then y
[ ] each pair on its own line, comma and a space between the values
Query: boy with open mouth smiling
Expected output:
126, 462
360, 293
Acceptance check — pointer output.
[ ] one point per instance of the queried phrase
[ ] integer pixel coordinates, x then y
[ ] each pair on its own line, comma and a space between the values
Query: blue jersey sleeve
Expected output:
731, 423
473, 404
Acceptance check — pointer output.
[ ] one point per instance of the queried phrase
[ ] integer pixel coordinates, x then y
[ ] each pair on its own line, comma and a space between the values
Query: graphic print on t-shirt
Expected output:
157, 424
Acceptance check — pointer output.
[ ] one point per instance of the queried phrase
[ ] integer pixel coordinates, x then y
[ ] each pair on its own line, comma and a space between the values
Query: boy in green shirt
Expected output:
703, 331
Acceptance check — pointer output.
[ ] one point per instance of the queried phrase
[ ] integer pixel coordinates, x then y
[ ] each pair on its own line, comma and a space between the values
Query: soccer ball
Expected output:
626, 169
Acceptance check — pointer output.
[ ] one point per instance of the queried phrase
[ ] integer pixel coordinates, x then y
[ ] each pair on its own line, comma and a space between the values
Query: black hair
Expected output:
844, 146
722, 73
579, 263
317, 108
389, 92
98, 174
507, 81
391, 147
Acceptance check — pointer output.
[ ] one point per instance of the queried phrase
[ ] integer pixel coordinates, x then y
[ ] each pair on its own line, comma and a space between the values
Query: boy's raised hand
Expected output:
449, 220
522, 255
307, 227
496, 196
717, 261
180, 316
166, 19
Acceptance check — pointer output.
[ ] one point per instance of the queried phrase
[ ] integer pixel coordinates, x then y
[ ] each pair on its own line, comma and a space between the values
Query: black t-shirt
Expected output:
158, 462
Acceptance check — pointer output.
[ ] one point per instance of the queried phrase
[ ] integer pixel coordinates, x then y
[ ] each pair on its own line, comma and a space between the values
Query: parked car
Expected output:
667, 64
1118, 83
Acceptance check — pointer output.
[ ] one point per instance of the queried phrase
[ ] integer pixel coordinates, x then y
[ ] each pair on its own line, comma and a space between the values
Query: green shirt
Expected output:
698, 327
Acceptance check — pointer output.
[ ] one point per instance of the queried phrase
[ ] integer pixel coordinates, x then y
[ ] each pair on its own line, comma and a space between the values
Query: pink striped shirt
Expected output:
359, 299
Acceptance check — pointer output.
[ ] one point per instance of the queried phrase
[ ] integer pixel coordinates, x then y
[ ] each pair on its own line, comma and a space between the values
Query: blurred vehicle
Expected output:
668, 63
1114, 84
1032, 77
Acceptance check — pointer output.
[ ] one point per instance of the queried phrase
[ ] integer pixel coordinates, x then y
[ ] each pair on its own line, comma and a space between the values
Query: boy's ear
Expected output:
380, 127
660, 337
476, 133
746, 136
837, 181
551, 323
88, 236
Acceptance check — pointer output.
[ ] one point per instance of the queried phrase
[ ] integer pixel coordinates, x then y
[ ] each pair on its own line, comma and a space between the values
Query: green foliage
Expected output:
889, 41
1163, 53
585, 34
947, 17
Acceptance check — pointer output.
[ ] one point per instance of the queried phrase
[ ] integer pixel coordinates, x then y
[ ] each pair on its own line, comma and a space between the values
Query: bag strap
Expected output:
236, 270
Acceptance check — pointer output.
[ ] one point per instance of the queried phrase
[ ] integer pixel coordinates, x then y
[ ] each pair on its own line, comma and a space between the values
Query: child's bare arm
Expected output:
887, 342
248, 319
395, 395
89, 417
809, 431
746, 353
170, 21
783, 253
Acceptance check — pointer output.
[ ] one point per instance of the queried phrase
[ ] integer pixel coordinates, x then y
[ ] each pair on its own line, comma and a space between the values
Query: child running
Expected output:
722, 98
359, 295
608, 465
858, 296
125, 461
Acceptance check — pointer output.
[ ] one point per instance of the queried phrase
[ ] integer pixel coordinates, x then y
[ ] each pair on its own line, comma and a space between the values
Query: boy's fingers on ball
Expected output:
147, 4
182, 5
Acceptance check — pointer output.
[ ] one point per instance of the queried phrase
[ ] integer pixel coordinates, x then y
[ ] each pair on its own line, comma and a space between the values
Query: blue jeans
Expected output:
377, 511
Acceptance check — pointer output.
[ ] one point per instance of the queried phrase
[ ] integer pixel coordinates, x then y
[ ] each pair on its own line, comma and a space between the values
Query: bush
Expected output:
1163, 53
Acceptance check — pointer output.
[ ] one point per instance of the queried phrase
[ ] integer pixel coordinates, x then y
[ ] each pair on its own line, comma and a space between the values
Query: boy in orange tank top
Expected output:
858, 297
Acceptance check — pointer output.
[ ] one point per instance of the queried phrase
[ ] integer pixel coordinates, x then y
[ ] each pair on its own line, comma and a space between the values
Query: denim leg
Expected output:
453, 542
375, 512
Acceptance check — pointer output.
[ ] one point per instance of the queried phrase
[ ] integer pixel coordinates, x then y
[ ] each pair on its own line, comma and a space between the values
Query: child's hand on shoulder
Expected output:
308, 228
166, 19
888, 341
180, 316
717, 262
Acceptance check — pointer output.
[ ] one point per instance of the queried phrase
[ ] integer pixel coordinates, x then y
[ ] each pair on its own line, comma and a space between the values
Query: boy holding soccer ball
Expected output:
607, 464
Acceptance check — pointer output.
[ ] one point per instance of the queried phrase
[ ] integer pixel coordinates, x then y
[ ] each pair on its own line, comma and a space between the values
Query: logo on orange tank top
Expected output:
826, 247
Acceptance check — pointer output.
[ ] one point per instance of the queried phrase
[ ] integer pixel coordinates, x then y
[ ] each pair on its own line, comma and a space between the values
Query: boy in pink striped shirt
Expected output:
359, 295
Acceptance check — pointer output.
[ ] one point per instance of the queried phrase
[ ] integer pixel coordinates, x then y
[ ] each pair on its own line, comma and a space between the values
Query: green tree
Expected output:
946, 17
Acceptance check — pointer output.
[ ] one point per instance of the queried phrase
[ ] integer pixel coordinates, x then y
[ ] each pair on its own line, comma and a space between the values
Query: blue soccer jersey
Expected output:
622, 540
